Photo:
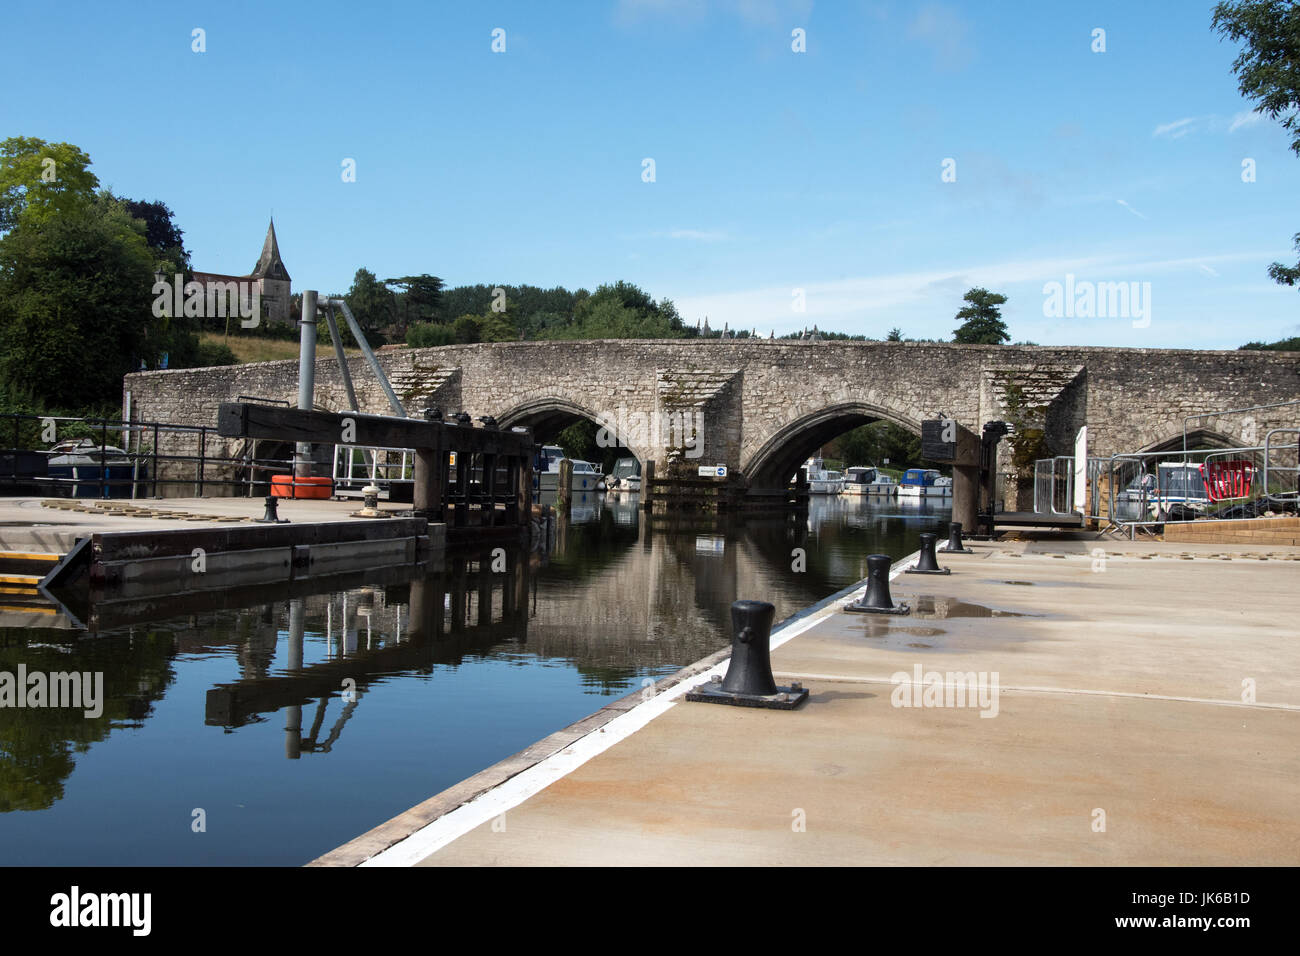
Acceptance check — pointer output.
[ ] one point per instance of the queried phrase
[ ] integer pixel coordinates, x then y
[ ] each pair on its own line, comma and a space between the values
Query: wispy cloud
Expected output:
698, 235
1209, 123
1130, 208
1244, 120
1207, 270
1178, 128
918, 300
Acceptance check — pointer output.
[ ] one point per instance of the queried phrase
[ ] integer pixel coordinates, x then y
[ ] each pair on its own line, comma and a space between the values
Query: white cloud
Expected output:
1244, 120
921, 303
1130, 208
1178, 128
699, 235
1213, 122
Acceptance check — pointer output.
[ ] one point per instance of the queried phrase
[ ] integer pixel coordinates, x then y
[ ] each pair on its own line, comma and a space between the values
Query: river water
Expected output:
270, 729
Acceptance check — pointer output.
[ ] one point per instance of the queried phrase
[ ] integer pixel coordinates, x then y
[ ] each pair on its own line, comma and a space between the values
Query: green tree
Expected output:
466, 329
1268, 71
418, 299
423, 335
76, 305
872, 444
1281, 345
162, 234
180, 336
371, 302
40, 180
895, 335
981, 319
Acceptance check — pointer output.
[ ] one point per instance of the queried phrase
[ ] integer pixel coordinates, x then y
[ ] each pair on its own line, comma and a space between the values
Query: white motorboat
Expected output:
626, 476
857, 480
546, 468
821, 481
924, 483
884, 486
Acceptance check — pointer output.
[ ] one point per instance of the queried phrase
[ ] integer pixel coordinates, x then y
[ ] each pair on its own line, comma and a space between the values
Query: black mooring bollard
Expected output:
955, 545
877, 599
749, 681
927, 563
270, 516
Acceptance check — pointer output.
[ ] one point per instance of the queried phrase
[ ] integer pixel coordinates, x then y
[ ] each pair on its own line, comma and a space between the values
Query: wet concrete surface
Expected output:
1146, 713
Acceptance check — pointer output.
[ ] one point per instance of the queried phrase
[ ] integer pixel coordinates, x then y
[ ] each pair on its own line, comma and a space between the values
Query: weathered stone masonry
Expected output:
765, 405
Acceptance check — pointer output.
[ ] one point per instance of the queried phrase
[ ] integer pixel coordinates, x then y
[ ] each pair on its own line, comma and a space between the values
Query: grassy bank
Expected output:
250, 349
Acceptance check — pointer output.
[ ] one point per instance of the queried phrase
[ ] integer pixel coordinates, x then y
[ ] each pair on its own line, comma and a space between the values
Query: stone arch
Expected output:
1168, 436
789, 445
547, 414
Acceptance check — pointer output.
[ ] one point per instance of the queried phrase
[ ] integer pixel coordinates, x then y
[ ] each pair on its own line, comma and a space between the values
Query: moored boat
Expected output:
85, 462
857, 480
626, 476
924, 483
821, 481
884, 486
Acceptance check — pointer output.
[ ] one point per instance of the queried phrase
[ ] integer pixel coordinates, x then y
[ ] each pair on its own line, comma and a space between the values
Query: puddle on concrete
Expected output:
1028, 584
923, 631
929, 606
882, 628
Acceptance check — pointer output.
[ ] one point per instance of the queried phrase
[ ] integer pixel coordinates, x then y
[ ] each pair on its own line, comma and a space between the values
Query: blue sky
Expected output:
774, 170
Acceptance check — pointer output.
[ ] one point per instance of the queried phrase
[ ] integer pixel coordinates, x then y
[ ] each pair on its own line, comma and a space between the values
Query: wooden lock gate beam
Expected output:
431, 440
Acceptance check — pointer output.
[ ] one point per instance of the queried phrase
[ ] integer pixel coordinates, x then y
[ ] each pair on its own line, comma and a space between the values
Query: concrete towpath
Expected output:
1147, 712
27, 524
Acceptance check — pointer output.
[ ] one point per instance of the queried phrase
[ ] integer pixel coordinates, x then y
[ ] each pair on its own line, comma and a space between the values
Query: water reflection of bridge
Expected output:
464, 608
622, 595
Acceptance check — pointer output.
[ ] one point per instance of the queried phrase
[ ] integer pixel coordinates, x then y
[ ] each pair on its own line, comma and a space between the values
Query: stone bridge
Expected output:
761, 406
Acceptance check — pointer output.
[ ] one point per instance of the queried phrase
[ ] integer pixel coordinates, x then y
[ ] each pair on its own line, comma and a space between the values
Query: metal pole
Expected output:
338, 354
293, 715
370, 356
306, 380
103, 459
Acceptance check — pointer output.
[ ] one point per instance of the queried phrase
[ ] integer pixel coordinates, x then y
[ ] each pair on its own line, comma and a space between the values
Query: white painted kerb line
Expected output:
432, 837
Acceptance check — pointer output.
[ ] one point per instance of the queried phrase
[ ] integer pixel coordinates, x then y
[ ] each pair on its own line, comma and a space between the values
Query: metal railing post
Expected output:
103, 459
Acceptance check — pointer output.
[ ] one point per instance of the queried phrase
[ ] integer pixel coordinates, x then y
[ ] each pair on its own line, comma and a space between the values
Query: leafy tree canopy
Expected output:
39, 180
162, 234
1268, 71
1281, 345
76, 305
981, 319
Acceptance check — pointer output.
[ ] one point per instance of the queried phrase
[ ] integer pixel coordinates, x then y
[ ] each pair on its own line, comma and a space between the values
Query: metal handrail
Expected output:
1268, 437
203, 461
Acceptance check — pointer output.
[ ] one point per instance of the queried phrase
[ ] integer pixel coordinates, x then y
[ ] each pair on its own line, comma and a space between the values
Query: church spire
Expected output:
269, 264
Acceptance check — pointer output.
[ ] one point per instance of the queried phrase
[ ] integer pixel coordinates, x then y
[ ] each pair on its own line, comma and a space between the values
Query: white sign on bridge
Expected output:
713, 471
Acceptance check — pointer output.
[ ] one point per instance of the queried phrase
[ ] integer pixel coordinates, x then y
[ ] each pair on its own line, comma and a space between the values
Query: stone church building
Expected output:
271, 277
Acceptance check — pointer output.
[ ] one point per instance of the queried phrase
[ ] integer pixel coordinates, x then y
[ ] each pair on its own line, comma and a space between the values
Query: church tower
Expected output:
273, 280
